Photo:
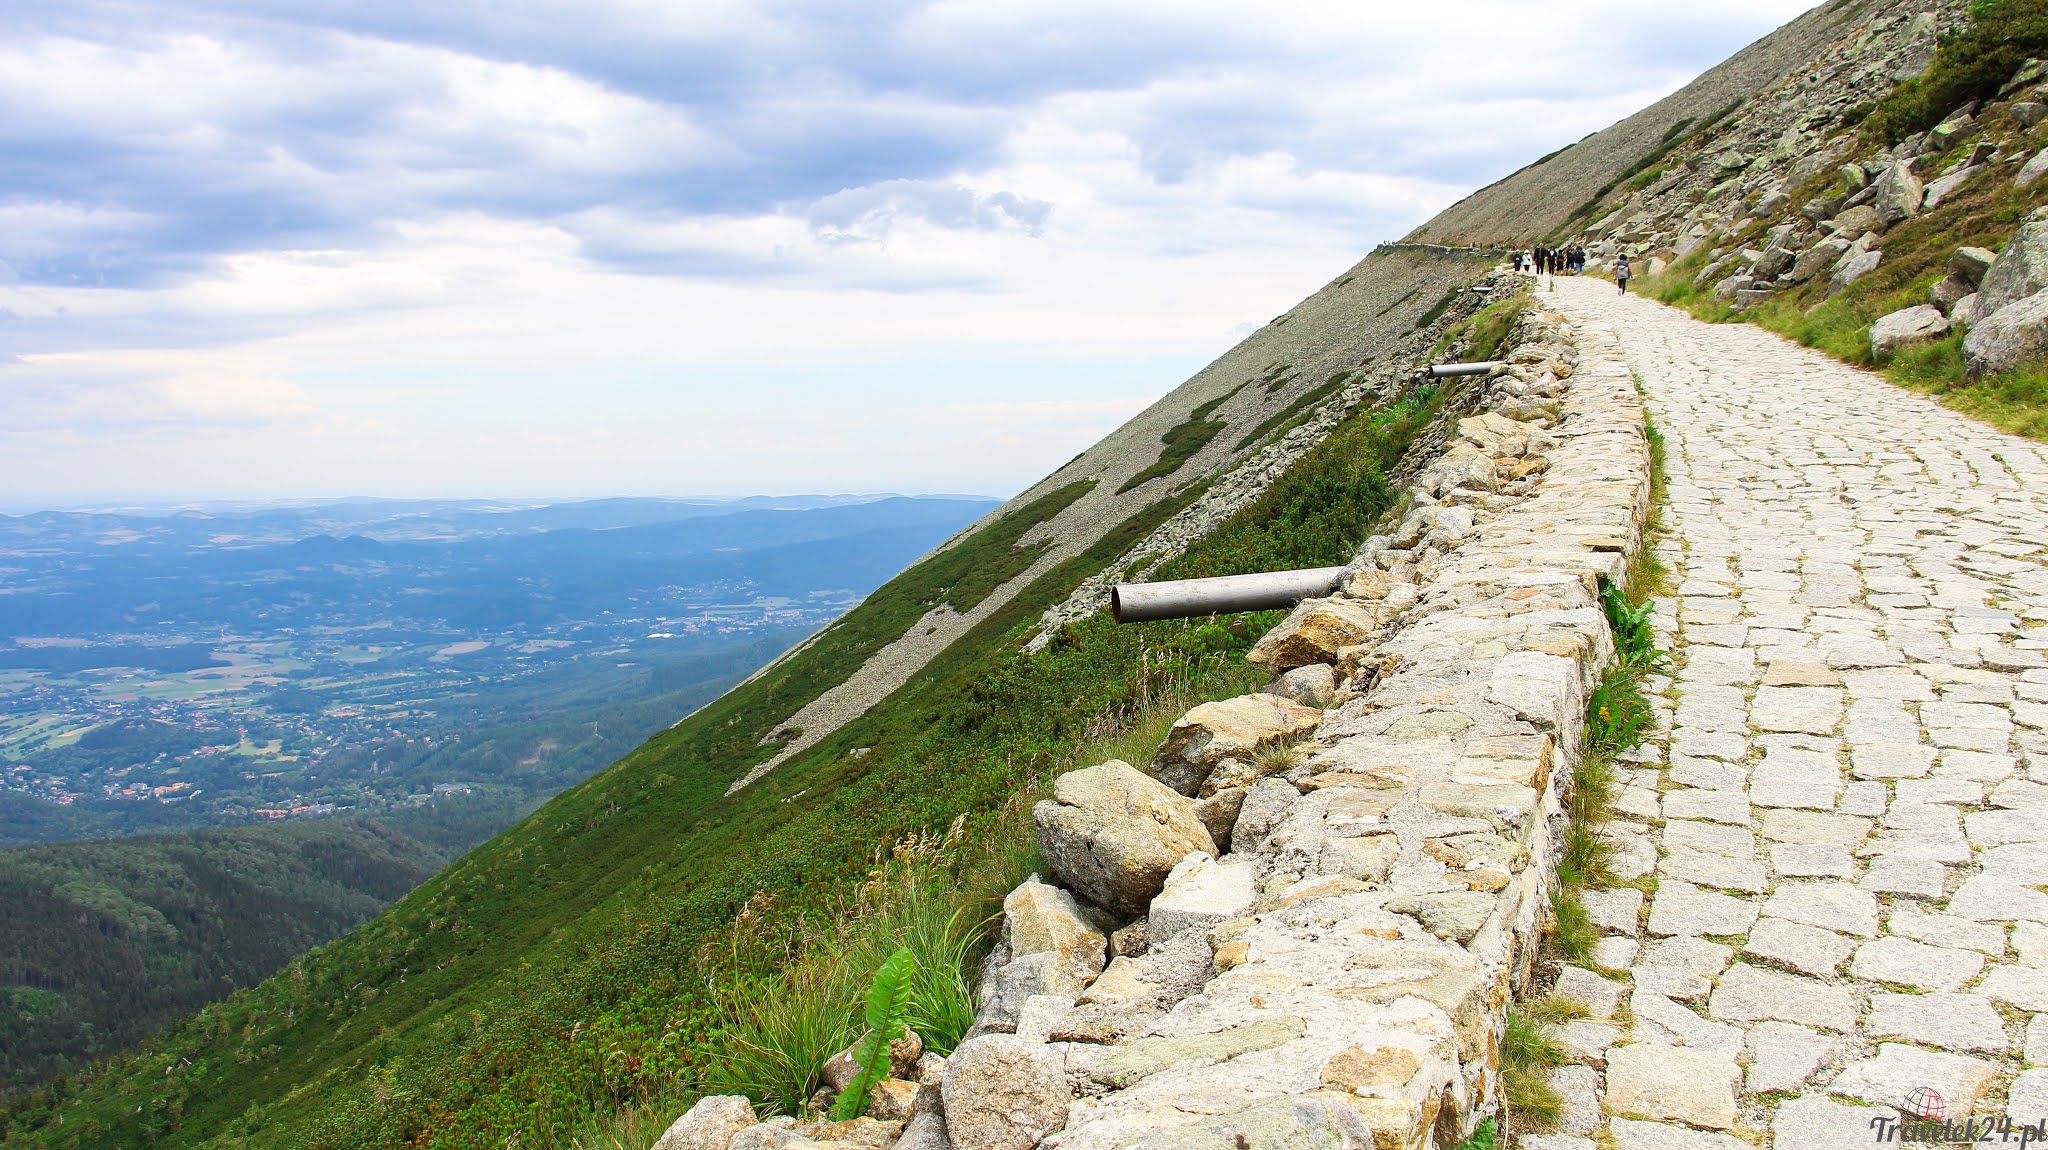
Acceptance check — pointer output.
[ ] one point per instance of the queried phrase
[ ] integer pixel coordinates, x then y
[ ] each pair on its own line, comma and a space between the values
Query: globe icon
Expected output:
1927, 1102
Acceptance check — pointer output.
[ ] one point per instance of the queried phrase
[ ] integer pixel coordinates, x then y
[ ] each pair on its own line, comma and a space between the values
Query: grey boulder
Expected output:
1905, 326
1113, 835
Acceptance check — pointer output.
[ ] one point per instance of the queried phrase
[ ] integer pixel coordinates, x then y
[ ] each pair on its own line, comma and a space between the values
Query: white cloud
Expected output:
729, 246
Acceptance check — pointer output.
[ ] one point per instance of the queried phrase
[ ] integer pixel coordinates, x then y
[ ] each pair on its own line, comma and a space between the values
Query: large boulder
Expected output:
1729, 288
709, 1125
1039, 918
1853, 267
1947, 291
1819, 256
1905, 326
1971, 264
1775, 260
2033, 169
1230, 729
1316, 631
1004, 1093
1113, 835
2021, 269
2014, 334
1858, 220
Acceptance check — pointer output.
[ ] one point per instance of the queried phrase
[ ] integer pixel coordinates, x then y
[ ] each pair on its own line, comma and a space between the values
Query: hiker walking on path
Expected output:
1621, 272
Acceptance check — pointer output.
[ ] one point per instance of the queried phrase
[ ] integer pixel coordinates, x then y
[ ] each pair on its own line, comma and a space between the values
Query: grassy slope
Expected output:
563, 968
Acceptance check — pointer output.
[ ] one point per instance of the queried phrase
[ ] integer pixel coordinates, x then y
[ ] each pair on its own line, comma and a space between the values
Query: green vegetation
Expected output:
1436, 310
107, 941
644, 937
1973, 64
1618, 717
1485, 1136
1185, 438
1527, 1055
1294, 414
888, 1007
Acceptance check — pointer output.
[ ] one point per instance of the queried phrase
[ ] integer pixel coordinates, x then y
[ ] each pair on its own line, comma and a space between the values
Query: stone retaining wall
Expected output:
1304, 923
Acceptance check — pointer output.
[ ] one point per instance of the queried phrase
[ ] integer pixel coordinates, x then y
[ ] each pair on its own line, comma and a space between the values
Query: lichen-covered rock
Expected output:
1821, 255
1452, 917
1316, 630
2019, 271
1040, 918
1004, 1093
1236, 728
865, 1132
1905, 326
709, 1125
1971, 264
1149, 1056
1366, 858
1853, 267
2010, 336
1113, 835
1318, 1121
1462, 466
1899, 193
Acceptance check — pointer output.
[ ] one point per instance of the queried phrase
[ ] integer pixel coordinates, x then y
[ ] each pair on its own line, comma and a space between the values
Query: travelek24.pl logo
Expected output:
1928, 1123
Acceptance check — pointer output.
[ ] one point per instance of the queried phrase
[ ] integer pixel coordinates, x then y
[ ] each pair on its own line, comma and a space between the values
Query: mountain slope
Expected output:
578, 961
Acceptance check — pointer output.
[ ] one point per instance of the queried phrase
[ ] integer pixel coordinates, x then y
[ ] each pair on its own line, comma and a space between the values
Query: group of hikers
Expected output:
1565, 261
1569, 260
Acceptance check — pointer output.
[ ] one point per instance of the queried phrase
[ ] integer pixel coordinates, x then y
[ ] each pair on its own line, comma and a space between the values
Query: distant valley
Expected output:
162, 671
296, 715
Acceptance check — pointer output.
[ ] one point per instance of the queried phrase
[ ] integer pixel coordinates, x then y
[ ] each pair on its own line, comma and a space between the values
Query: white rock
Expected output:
1201, 892
1950, 1021
1752, 994
1906, 326
1814, 1123
1783, 1056
1898, 1070
709, 1125
1650, 1081
1909, 963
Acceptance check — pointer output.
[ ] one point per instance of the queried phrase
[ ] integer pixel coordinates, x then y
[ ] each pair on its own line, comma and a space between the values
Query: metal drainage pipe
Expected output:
1444, 370
1223, 595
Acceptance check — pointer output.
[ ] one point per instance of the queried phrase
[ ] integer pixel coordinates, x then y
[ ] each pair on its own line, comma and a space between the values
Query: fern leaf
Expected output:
888, 1004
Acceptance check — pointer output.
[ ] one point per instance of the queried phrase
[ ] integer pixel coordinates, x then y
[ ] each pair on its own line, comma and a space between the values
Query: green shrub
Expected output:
1970, 65
888, 1006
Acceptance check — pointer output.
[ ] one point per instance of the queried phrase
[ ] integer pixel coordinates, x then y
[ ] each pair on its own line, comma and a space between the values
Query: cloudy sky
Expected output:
258, 248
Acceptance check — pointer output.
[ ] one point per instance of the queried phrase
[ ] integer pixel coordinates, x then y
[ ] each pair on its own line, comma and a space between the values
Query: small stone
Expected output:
1362, 1071
1907, 326
1807, 860
1615, 953
1041, 918
1783, 1056
1751, 994
1815, 1123
1630, 1135
1234, 729
1651, 1081
1615, 910
1895, 874
1199, 893
1148, 1056
1579, 1087
1808, 710
1313, 685
709, 1125
1909, 963
1682, 908
1453, 917
1807, 949
1832, 906
1950, 1021
1601, 997
1316, 631
1898, 1070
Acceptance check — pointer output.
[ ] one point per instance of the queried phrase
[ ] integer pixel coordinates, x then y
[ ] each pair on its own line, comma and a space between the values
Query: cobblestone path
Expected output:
1846, 826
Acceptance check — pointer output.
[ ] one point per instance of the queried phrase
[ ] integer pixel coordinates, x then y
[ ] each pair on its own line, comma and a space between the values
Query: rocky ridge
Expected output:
1304, 922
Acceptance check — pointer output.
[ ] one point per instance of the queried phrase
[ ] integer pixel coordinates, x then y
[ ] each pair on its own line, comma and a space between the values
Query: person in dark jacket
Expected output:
1621, 272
